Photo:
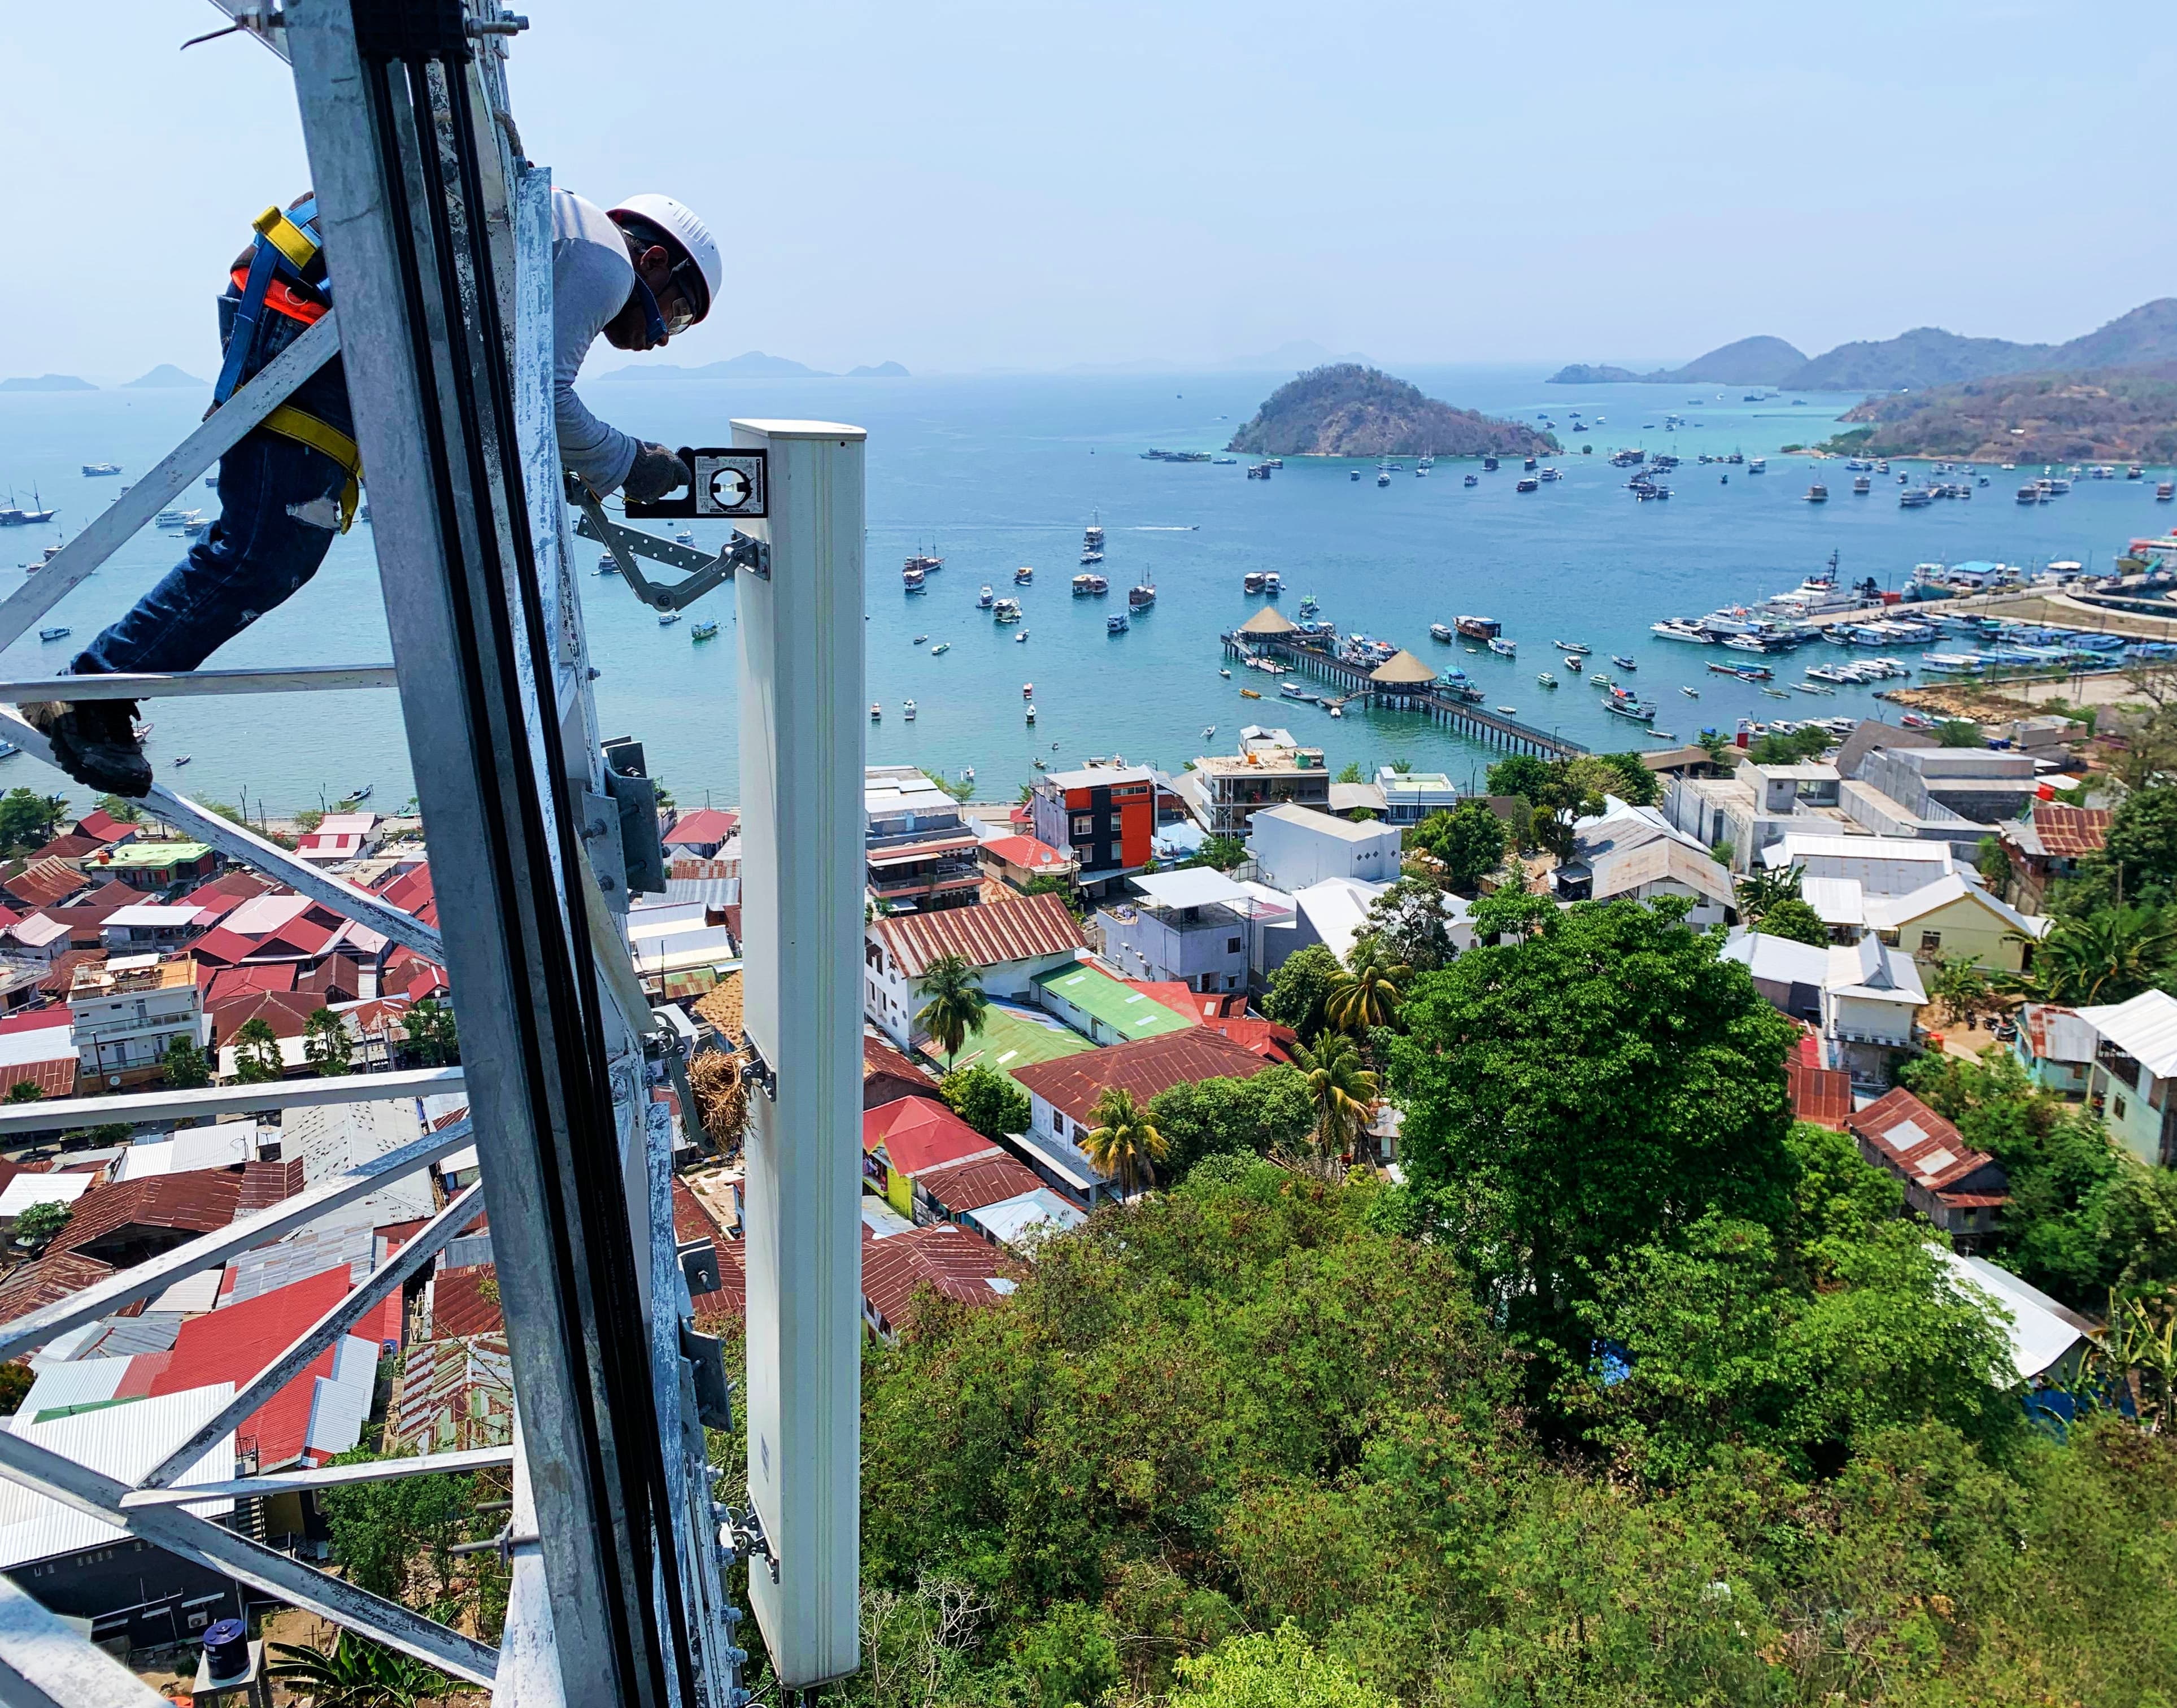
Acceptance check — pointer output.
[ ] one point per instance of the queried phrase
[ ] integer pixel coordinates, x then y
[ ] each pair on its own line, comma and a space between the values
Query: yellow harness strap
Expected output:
291, 423
290, 239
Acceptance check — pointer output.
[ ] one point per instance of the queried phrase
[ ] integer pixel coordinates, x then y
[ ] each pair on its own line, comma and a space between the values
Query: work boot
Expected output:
94, 742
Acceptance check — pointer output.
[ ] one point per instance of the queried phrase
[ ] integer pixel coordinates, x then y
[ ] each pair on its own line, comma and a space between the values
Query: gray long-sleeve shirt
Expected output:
591, 277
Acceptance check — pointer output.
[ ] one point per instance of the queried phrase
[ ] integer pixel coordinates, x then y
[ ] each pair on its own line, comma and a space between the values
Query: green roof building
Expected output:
152, 865
1013, 1038
1105, 1009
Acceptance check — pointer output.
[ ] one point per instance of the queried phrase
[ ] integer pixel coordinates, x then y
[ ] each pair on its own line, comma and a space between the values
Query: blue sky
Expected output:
961, 185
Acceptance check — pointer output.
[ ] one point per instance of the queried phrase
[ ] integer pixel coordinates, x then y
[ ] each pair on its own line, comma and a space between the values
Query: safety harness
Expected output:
285, 256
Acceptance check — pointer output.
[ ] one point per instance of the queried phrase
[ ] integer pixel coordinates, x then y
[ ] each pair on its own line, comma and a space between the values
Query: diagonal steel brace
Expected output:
626, 544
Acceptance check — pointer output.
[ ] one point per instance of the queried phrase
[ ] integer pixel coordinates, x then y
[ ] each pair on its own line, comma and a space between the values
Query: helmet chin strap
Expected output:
653, 322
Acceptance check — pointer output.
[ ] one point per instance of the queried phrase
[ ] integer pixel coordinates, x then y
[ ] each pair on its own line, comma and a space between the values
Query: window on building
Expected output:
1084, 827
1931, 942
1232, 946
2116, 1108
1118, 822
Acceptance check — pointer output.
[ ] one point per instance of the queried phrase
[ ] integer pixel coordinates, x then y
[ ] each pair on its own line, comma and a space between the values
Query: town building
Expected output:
1410, 796
1224, 791
958, 1190
1957, 1188
1983, 785
155, 865
124, 1014
2046, 1341
1017, 861
2056, 1048
1940, 922
2047, 845
1879, 865
1062, 1098
1015, 1223
1189, 927
1102, 817
339, 837
947, 1260
2135, 1060
149, 926
1860, 998
1007, 942
1296, 846
704, 833
1105, 1009
1635, 854
903, 1140
922, 852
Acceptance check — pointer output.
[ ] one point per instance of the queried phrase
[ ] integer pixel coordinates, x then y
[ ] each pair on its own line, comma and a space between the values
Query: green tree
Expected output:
326, 1043
1352, 774
1636, 785
120, 808
1961, 985
1409, 921
2141, 853
356, 1672
1301, 988
25, 1091
1993, 863
1959, 732
1367, 992
433, 1039
1219, 853
1717, 746
1214, 1117
1341, 1090
1793, 918
1468, 841
2107, 957
1524, 774
38, 1222
1124, 1144
393, 1536
985, 1100
184, 1067
1069, 1656
1272, 1670
955, 1005
1763, 888
1600, 1080
15, 1380
27, 818
1791, 747
256, 1053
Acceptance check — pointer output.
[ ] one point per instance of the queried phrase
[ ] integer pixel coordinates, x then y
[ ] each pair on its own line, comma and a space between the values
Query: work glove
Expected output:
657, 471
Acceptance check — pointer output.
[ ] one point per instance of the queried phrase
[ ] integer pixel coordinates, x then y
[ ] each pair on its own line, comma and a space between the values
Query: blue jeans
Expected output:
279, 503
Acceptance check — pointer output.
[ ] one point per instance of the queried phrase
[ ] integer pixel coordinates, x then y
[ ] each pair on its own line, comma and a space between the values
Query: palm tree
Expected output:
1124, 1142
956, 1007
2107, 957
1341, 1089
1763, 888
1369, 990
355, 1674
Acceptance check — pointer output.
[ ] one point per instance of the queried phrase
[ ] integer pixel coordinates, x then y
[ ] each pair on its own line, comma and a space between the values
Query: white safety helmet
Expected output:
679, 221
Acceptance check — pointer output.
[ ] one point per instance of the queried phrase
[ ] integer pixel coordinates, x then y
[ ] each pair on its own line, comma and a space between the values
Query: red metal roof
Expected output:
69, 846
919, 1133
1822, 1095
236, 1342
1019, 928
706, 824
1027, 852
1265, 1038
962, 1187
45, 883
2069, 832
947, 1259
57, 982
227, 983
54, 1077
50, 1279
287, 1012
1916, 1143
197, 1202
460, 1303
103, 827
1072, 1083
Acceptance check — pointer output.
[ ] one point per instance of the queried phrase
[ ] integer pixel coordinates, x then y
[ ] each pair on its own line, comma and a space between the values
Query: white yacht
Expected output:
1680, 629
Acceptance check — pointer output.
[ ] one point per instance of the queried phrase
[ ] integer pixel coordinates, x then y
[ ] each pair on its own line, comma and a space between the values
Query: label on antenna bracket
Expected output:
724, 484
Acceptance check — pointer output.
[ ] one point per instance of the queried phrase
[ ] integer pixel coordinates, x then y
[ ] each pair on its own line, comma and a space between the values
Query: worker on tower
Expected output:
635, 274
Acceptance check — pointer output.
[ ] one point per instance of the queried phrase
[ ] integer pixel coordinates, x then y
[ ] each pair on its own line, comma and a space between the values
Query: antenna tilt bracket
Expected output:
626, 544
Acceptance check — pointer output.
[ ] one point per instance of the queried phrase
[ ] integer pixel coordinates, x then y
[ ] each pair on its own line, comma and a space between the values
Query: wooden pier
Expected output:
1476, 722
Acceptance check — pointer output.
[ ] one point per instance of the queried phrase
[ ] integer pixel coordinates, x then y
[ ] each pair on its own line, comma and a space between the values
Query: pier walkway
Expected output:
1476, 721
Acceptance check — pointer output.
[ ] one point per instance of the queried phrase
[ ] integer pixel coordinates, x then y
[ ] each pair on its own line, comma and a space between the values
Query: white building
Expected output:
123, 1015
1861, 997
1632, 853
146, 927
1007, 942
1410, 796
1881, 865
1296, 846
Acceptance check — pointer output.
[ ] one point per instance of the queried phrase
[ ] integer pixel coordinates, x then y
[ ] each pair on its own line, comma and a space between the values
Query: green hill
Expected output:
2108, 414
1759, 361
1346, 410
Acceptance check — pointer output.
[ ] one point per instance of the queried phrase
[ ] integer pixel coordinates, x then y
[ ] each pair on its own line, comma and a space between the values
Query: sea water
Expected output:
991, 472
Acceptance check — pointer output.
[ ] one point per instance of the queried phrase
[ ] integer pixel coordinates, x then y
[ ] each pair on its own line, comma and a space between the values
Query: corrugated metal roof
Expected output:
1132, 1013
2144, 1028
1072, 1083
2056, 1034
47, 1279
2040, 1331
27, 1189
953, 1262
1019, 928
79, 1381
196, 1204
971, 1186
316, 1249
1012, 1218
2067, 833
452, 1394
123, 1441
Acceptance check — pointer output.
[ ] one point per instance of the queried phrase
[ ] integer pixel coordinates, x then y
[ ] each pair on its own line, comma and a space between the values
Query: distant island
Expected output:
1926, 356
751, 365
166, 377
48, 382
1346, 410
1748, 361
2107, 414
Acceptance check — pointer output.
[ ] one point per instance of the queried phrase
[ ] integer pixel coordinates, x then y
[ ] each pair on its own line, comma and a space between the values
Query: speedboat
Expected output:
1226, 674
919, 639
1690, 693
1020, 638
876, 711
1504, 648
1472, 480
907, 711
984, 599
942, 647
666, 619
60, 634
1622, 662
1509, 711
1438, 631
1116, 624
1679, 628
1545, 679
1024, 575
1571, 646
1028, 711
